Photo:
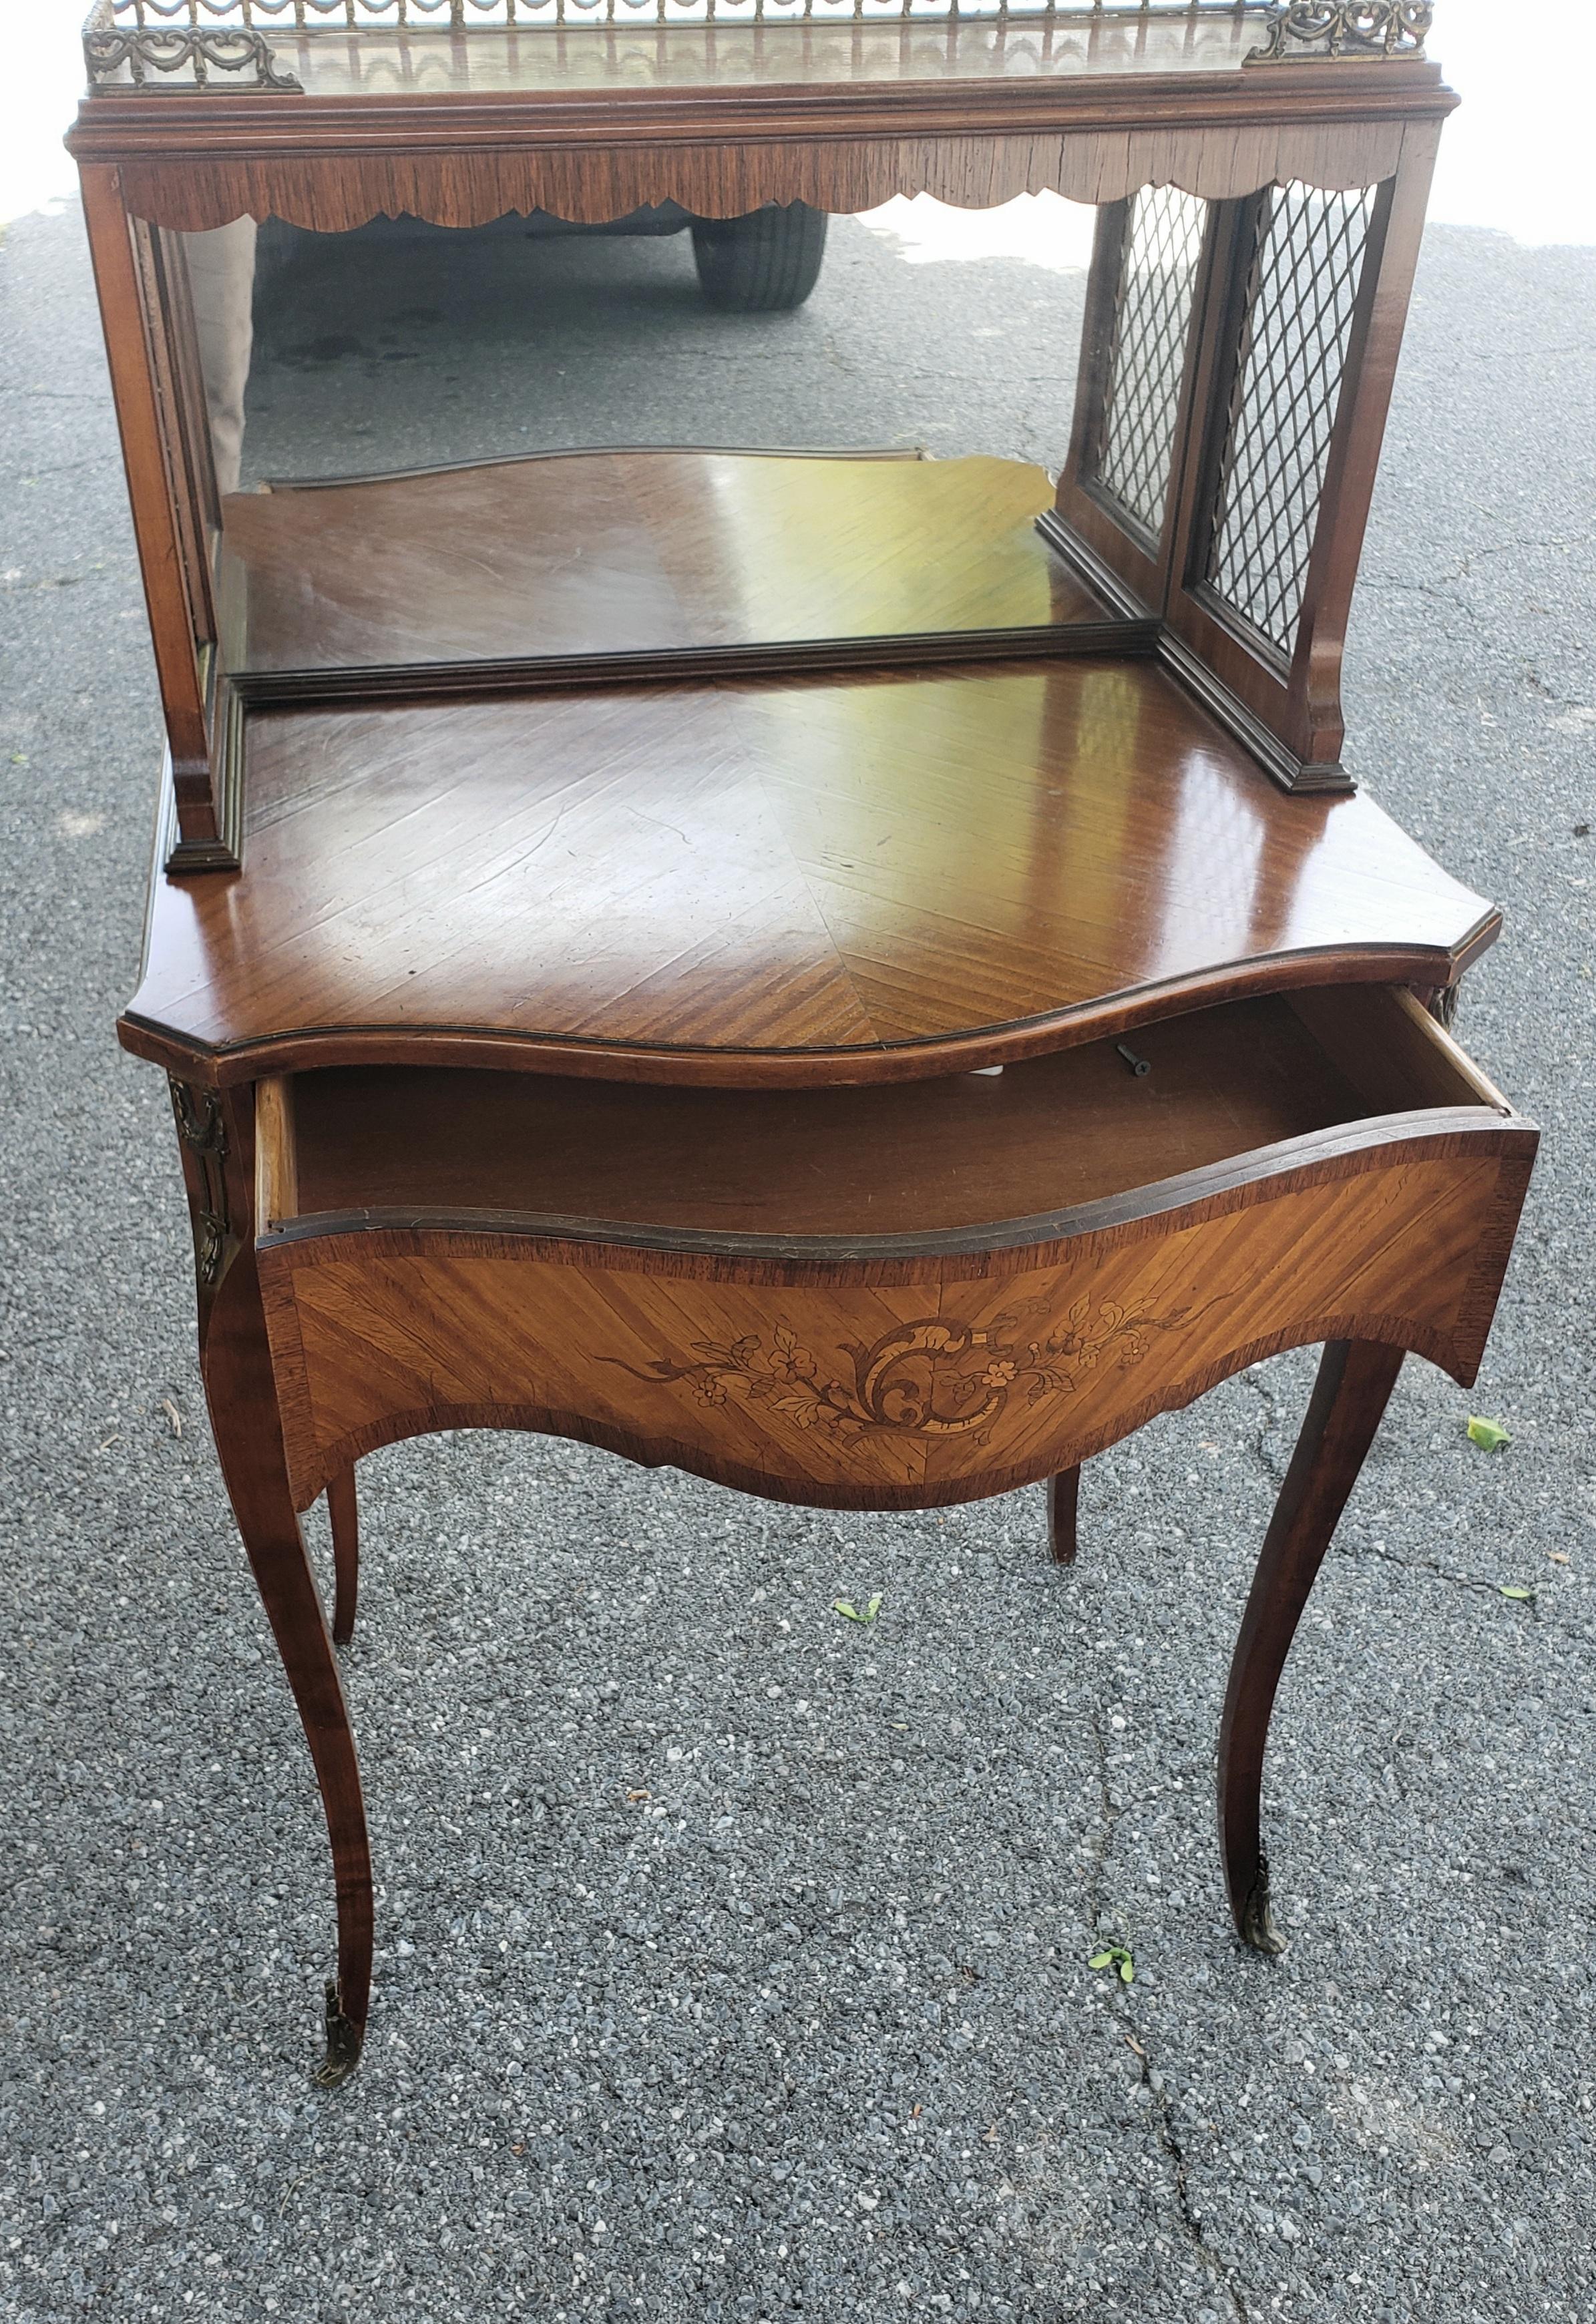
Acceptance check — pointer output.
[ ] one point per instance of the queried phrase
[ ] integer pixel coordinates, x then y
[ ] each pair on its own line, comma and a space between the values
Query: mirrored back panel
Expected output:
451, 457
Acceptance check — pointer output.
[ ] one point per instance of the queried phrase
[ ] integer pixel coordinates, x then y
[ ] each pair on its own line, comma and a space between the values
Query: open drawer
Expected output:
907, 1292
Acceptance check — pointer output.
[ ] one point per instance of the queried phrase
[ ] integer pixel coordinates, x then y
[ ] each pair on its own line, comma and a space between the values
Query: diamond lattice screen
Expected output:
1305, 288
1152, 319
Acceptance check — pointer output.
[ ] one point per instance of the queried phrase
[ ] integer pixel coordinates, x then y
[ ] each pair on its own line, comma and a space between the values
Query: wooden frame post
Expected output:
159, 416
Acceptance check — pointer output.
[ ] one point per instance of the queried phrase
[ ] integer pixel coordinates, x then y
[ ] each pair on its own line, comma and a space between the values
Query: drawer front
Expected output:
901, 1384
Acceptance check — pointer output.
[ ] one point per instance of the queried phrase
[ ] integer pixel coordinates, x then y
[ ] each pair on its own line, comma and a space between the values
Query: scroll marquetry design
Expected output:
923, 1379
1302, 296
906, 1384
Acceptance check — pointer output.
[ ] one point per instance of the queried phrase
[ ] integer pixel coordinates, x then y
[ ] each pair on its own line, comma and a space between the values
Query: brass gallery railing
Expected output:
191, 44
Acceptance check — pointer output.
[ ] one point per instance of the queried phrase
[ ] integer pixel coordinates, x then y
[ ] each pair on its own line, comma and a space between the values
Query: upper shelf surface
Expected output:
876, 877
591, 120
417, 59
619, 552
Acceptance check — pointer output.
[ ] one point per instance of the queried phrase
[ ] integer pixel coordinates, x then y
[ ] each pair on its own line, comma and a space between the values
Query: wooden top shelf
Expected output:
374, 60
869, 877
593, 557
592, 119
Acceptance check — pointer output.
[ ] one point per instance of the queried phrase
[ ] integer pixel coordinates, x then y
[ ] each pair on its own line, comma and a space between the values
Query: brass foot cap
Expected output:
344, 2039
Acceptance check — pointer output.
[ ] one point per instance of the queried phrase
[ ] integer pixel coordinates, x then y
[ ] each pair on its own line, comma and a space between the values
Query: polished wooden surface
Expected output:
611, 553
973, 147
1348, 1401
866, 879
146, 430
344, 1518
240, 1393
1064, 1509
773, 889
912, 1383
842, 117
849, 1380
909, 1161
433, 1245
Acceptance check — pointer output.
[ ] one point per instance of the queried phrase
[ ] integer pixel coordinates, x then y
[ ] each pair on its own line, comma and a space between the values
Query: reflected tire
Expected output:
761, 264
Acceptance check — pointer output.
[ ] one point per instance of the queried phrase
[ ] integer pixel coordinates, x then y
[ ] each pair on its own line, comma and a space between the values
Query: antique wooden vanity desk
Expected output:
863, 977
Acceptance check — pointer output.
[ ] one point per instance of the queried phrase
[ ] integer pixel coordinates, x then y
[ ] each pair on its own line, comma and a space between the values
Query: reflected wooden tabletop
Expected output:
609, 553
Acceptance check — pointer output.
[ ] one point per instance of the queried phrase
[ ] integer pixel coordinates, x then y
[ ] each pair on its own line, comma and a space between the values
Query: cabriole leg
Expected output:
1064, 1495
242, 1397
346, 1524
1355, 1380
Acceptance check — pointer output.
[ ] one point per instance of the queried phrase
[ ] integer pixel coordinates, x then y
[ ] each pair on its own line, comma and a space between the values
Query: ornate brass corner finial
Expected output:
1347, 28
190, 56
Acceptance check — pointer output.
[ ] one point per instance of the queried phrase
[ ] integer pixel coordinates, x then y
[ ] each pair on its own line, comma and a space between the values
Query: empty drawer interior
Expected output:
901, 1159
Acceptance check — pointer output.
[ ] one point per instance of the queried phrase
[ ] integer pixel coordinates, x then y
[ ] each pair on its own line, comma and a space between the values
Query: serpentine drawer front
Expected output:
879, 1298
882, 1297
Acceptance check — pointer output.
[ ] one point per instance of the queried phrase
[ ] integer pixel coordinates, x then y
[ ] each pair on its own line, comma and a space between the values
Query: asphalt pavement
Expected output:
811, 2027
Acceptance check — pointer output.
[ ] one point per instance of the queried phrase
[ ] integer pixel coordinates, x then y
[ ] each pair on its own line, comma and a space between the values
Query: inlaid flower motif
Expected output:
925, 1379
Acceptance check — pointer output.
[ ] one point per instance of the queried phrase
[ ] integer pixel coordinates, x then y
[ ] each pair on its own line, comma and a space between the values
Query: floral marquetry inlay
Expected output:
926, 1378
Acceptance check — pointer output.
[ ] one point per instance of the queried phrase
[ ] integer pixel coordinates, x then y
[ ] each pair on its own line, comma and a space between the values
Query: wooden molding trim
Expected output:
331, 166
1098, 573
220, 849
1276, 759
594, 451
681, 665
300, 1050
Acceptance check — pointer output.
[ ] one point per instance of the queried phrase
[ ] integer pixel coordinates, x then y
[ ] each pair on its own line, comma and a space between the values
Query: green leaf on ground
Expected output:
852, 1613
1488, 1435
1117, 1957
1516, 1592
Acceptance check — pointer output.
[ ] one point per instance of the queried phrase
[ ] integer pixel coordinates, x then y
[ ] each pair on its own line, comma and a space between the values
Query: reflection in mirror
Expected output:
349, 362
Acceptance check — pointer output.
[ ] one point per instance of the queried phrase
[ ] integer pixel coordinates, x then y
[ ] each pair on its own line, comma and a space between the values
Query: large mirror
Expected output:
444, 447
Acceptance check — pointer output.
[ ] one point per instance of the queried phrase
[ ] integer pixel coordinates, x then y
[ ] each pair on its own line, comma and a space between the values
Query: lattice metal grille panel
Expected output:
1147, 363
1305, 288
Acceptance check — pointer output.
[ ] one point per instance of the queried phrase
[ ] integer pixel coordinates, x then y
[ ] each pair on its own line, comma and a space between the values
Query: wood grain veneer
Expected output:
843, 1371
604, 554
913, 1382
151, 452
820, 881
425, 1236
776, 892
840, 117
